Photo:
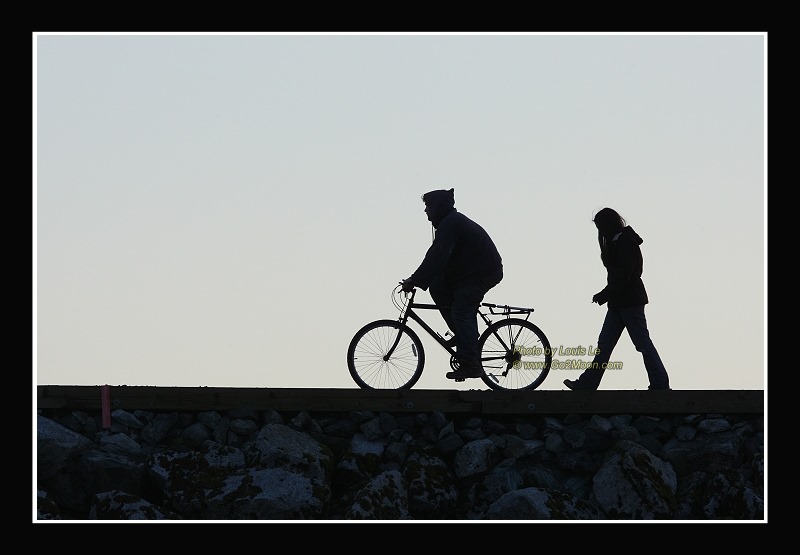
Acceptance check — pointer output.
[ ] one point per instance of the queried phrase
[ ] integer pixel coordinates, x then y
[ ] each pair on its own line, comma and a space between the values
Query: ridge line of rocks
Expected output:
245, 464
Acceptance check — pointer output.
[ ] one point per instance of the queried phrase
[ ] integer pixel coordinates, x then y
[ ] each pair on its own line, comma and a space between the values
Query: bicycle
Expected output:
388, 354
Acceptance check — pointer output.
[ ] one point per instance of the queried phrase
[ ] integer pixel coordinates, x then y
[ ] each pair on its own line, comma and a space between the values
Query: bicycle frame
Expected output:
409, 313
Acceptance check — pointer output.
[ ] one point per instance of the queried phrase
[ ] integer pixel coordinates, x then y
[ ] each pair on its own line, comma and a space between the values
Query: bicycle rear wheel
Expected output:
515, 355
367, 357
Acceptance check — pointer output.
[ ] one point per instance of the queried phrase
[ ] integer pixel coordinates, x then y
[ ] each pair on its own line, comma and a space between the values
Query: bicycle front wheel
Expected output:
373, 366
515, 355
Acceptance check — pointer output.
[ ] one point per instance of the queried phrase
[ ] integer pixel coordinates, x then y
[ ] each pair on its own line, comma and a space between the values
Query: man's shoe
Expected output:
451, 342
464, 373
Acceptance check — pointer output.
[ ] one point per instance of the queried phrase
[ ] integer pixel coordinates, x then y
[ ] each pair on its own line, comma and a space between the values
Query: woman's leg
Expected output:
613, 325
636, 324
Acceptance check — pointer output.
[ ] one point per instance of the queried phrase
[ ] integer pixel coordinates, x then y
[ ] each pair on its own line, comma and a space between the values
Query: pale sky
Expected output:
228, 210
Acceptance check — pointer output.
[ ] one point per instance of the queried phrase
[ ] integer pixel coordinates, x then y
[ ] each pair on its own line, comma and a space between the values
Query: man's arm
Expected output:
436, 258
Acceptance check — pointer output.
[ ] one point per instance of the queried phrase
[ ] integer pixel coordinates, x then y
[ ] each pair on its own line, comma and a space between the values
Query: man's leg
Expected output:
442, 296
464, 313
636, 324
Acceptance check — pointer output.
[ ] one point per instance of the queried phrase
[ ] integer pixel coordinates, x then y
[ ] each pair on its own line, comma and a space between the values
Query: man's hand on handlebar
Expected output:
408, 285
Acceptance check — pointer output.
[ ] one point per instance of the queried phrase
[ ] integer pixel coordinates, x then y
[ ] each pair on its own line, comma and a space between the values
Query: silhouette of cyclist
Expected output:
459, 268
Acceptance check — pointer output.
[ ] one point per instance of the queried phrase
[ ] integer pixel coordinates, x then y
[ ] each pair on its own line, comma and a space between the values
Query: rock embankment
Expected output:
266, 465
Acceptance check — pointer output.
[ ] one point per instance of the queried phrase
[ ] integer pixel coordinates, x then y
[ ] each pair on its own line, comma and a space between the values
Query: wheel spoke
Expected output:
369, 363
515, 354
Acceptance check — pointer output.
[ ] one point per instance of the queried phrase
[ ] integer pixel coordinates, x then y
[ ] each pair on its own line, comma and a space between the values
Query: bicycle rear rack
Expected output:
505, 309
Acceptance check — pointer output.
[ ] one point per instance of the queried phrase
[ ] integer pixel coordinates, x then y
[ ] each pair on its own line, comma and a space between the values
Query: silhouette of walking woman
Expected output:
626, 297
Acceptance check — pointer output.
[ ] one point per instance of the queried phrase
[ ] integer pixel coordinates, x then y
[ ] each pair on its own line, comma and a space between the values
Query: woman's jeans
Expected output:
619, 319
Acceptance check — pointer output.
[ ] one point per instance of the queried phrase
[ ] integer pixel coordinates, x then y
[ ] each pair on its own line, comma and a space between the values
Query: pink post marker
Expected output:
105, 399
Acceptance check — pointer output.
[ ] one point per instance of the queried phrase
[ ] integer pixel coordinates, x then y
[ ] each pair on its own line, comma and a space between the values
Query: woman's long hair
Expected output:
608, 223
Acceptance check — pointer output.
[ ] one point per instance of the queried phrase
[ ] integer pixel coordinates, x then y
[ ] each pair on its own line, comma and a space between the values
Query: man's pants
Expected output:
459, 307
